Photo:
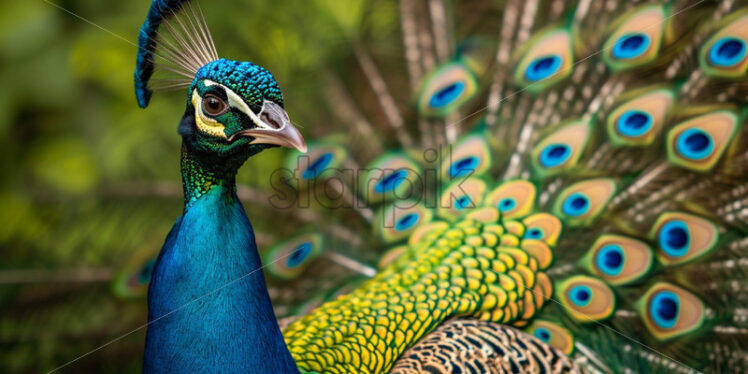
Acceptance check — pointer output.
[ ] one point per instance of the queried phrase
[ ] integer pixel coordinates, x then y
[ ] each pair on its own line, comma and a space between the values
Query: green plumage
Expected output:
461, 270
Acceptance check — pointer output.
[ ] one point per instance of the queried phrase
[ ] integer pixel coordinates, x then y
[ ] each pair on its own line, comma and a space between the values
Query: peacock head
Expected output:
235, 110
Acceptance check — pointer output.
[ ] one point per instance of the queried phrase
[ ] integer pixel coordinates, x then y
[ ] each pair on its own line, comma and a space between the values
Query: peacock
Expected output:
565, 190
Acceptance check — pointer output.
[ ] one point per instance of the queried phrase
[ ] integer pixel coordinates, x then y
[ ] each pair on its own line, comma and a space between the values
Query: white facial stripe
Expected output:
236, 101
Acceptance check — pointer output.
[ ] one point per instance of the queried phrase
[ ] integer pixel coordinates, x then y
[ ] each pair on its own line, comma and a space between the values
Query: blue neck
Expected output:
209, 309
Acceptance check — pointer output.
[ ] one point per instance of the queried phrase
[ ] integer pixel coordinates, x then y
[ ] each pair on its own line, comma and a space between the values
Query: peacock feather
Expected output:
569, 197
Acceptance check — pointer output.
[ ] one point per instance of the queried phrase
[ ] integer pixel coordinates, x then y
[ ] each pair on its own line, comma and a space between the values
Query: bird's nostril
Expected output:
270, 121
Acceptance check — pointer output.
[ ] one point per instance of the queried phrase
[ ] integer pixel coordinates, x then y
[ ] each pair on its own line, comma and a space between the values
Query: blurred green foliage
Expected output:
88, 178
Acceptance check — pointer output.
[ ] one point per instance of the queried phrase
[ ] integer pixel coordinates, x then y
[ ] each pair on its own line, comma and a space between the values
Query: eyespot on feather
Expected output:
398, 220
552, 334
580, 203
586, 299
725, 53
470, 157
547, 59
618, 260
321, 160
638, 38
638, 120
682, 237
561, 150
699, 143
669, 311
460, 197
391, 176
544, 227
514, 199
288, 259
445, 89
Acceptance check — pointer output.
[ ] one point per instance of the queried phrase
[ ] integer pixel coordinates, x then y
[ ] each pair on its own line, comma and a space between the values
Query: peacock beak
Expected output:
273, 127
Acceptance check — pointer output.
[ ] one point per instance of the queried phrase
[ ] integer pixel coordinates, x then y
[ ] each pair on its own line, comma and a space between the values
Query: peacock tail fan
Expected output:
578, 199
592, 174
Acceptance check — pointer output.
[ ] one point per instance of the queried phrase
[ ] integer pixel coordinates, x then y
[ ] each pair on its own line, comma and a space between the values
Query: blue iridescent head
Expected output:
231, 104
234, 109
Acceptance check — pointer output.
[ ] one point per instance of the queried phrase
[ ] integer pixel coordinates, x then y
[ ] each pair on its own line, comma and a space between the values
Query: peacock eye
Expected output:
214, 106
